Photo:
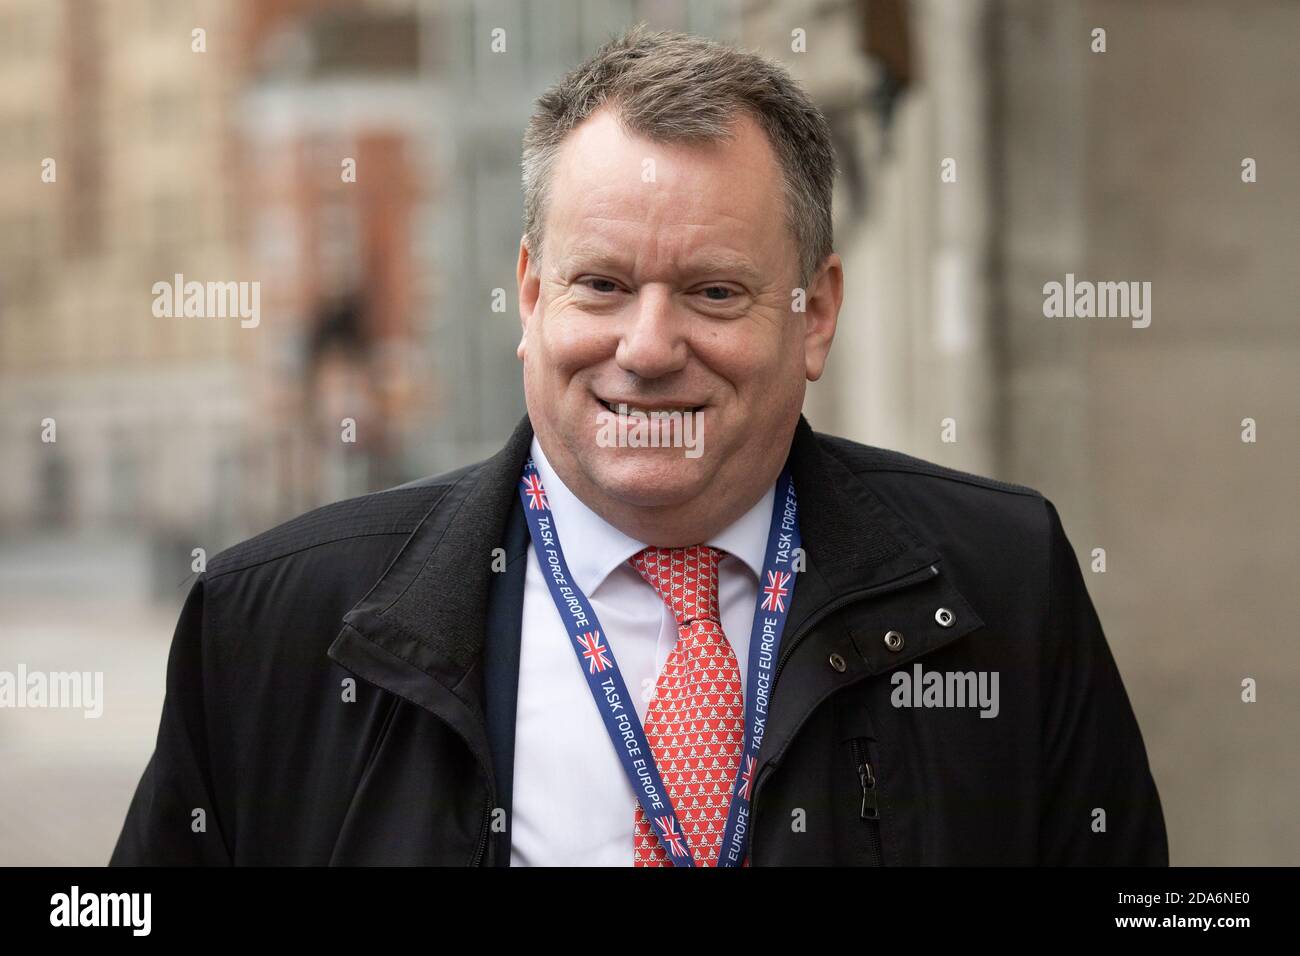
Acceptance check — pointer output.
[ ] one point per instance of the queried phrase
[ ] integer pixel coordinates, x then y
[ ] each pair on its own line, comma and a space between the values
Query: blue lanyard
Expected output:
596, 658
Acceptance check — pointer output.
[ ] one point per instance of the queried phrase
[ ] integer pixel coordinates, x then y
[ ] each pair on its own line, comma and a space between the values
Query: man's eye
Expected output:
725, 293
600, 285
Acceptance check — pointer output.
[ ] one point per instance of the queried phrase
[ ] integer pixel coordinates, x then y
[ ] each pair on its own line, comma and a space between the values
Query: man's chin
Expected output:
648, 477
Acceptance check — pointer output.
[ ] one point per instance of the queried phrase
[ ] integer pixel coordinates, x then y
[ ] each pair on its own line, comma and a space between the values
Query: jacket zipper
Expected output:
924, 574
870, 812
481, 848
483, 836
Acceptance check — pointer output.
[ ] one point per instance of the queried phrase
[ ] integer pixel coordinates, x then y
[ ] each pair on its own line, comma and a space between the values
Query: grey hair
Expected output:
680, 88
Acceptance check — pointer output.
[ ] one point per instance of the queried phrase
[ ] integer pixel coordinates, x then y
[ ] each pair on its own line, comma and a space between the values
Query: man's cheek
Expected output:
752, 370
578, 345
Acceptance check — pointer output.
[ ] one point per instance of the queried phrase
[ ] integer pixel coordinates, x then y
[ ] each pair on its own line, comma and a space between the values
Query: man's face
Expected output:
666, 282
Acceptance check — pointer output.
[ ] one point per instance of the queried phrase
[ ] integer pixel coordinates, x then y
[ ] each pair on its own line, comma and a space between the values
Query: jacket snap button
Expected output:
944, 617
894, 640
837, 662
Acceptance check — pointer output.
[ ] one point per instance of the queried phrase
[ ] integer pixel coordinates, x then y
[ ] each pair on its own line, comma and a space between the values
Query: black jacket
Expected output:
395, 594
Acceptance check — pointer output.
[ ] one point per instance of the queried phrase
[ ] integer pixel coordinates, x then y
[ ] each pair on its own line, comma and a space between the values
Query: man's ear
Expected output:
822, 311
528, 285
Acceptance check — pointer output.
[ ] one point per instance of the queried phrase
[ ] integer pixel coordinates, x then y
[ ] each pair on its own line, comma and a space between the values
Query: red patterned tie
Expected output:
695, 723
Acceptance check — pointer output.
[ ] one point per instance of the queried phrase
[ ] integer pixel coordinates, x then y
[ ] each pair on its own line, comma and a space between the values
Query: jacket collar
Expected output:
419, 632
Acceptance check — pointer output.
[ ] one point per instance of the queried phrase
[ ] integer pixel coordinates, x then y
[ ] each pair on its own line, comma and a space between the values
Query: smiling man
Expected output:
594, 652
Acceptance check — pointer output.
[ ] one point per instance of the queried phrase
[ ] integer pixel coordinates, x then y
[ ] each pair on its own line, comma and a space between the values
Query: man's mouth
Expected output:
628, 408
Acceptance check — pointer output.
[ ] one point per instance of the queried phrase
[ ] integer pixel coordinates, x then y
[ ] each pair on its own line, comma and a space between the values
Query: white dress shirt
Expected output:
572, 803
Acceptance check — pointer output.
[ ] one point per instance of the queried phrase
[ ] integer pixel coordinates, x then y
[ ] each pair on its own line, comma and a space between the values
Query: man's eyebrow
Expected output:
724, 264
589, 255
716, 263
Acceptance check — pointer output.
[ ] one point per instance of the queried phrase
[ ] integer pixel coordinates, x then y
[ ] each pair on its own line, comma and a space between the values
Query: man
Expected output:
745, 644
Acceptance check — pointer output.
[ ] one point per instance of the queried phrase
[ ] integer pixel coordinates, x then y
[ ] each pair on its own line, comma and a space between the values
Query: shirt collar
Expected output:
604, 547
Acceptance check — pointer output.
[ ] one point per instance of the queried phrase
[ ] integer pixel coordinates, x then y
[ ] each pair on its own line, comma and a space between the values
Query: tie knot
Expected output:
686, 579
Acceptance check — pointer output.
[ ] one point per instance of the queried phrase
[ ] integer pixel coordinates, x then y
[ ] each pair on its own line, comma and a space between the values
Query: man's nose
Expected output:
653, 342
